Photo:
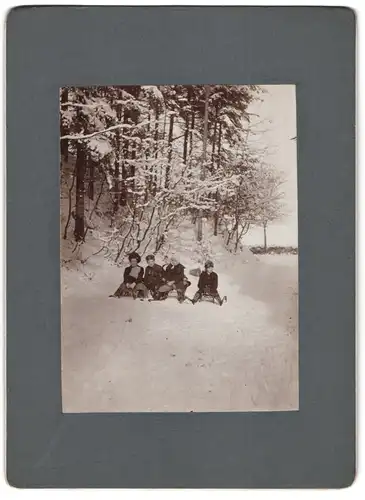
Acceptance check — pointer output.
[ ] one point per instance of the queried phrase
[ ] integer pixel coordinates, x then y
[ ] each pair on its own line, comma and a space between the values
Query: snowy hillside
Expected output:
125, 355
169, 171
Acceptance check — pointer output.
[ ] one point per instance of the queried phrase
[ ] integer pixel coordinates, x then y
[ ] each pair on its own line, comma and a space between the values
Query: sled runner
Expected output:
172, 289
123, 295
128, 293
207, 297
167, 295
208, 286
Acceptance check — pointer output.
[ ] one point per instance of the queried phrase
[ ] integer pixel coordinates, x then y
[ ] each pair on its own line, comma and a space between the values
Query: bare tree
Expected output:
271, 207
204, 158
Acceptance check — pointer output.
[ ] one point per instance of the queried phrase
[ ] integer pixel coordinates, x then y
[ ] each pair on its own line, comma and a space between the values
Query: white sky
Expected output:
277, 116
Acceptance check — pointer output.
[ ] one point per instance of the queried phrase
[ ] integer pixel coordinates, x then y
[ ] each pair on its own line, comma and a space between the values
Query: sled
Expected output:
187, 299
171, 295
206, 297
124, 295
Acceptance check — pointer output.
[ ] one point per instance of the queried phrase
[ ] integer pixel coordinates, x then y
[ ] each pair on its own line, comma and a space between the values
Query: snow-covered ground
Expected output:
284, 234
286, 260
124, 355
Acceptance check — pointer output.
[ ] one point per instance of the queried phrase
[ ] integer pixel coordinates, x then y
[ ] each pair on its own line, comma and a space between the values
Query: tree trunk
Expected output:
90, 187
237, 241
187, 126
232, 232
125, 151
64, 128
118, 154
186, 138
135, 114
265, 237
80, 192
164, 125
192, 125
133, 166
123, 189
214, 135
116, 198
154, 168
216, 213
70, 189
216, 221
202, 171
148, 172
155, 138
219, 144
169, 154
116, 187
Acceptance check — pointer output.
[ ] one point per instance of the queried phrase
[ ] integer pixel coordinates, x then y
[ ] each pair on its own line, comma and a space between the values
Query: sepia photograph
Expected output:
179, 248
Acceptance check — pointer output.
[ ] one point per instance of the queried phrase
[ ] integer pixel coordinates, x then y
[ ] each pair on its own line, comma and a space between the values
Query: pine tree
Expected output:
157, 154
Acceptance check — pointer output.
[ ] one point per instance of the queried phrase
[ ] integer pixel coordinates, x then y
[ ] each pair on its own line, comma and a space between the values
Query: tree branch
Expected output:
104, 131
69, 204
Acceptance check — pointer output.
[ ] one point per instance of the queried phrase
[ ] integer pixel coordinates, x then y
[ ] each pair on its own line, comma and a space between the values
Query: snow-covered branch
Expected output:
79, 137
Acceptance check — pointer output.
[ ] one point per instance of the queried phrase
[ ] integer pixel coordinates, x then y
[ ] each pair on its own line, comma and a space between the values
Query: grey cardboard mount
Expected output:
312, 47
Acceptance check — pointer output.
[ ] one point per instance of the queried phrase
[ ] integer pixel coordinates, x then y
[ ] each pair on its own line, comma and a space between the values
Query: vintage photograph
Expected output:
179, 248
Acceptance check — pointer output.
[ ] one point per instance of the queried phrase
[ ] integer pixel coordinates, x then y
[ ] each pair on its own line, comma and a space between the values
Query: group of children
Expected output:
159, 281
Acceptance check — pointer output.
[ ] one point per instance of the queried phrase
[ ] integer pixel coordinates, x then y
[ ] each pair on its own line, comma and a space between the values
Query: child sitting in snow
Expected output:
208, 284
153, 275
132, 278
174, 279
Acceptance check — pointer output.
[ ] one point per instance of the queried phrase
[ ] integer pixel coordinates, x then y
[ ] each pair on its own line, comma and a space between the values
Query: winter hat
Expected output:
134, 255
208, 263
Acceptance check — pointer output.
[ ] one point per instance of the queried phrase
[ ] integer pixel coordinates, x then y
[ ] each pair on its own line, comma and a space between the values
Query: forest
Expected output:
138, 161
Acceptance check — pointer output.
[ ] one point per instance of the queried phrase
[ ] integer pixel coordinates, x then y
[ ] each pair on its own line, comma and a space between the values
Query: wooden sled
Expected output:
206, 297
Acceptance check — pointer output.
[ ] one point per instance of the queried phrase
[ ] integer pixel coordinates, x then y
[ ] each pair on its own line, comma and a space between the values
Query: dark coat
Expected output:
208, 282
174, 273
153, 276
130, 279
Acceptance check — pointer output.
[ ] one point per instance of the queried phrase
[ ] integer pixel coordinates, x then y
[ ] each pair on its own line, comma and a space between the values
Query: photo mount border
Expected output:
313, 47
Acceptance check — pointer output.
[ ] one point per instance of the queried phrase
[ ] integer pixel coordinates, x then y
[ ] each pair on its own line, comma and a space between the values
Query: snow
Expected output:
283, 234
101, 146
124, 355
153, 91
